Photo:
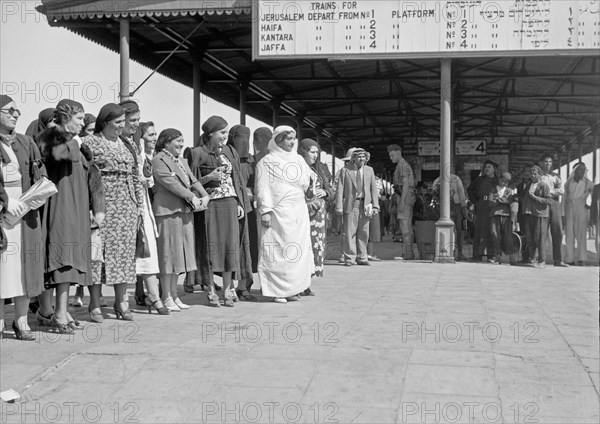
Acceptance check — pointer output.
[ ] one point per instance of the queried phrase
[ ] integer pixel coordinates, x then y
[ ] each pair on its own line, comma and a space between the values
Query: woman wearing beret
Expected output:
310, 151
285, 263
217, 166
177, 194
21, 167
124, 209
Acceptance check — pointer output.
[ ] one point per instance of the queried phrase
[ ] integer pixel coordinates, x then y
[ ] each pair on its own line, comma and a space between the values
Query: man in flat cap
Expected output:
404, 181
479, 191
356, 198
503, 207
577, 189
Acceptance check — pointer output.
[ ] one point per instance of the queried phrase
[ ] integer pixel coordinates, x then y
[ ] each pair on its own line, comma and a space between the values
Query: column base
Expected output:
444, 241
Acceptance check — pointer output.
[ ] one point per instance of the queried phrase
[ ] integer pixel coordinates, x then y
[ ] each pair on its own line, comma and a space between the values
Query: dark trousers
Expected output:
456, 214
501, 233
555, 223
481, 239
536, 232
522, 219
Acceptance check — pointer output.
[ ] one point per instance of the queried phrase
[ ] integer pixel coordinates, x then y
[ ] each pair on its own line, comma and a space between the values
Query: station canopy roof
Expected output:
523, 106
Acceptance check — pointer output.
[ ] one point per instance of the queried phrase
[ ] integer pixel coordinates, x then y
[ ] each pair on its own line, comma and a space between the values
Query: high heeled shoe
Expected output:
124, 315
171, 305
180, 304
163, 310
62, 328
43, 320
228, 300
96, 315
25, 335
73, 323
213, 300
140, 300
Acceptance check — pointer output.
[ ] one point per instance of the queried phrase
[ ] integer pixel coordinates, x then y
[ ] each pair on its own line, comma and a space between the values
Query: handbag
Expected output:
142, 248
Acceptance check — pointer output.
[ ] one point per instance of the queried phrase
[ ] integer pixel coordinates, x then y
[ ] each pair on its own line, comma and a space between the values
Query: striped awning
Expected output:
90, 9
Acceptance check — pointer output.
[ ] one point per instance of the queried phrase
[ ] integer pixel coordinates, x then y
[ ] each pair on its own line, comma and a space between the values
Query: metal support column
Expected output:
444, 228
197, 107
568, 161
243, 93
124, 56
276, 107
333, 157
300, 122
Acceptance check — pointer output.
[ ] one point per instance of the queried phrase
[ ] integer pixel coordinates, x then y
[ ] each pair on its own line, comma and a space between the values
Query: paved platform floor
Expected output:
396, 342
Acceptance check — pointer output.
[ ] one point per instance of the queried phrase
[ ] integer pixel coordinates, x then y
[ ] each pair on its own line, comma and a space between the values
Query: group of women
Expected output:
133, 207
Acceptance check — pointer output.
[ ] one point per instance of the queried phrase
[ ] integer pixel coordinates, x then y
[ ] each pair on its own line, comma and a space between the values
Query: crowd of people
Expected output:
132, 206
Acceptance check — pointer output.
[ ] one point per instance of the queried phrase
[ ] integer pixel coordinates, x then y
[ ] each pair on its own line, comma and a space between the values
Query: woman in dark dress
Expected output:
217, 166
239, 139
66, 216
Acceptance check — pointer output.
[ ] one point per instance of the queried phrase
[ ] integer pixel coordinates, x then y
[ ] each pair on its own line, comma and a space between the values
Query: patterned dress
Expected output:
124, 206
316, 212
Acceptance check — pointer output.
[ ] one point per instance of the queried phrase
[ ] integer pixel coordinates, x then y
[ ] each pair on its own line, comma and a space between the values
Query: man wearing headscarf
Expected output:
356, 198
479, 192
404, 180
577, 189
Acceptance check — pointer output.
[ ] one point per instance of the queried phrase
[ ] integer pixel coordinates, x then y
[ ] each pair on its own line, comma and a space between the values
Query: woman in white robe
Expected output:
285, 261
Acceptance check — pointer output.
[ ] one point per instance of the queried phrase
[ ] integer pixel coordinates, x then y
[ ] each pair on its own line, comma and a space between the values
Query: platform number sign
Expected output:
470, 147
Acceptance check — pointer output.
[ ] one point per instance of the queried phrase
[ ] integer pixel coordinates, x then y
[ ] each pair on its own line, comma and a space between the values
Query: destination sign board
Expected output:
424, 28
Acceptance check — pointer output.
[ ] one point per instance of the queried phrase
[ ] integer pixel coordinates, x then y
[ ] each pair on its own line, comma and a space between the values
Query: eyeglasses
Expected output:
11, 111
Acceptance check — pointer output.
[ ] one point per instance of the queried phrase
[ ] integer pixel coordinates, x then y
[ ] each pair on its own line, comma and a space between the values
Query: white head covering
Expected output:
278, 151
280, 174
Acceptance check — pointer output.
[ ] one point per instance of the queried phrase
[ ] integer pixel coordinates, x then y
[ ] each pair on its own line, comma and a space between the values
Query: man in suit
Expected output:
356, 199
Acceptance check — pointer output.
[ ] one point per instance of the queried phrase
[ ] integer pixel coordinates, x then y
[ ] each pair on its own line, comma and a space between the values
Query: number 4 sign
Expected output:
470, 147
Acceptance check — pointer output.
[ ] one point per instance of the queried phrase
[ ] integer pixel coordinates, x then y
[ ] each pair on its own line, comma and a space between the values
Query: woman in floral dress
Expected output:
124, 207
310, 151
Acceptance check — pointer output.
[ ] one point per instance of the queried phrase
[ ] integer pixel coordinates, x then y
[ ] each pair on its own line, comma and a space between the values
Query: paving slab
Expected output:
394, 342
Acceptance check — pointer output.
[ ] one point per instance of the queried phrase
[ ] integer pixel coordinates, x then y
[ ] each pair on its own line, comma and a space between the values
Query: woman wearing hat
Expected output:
310, 151
285, 263
217, 166
21, 167
124, 209
177, 194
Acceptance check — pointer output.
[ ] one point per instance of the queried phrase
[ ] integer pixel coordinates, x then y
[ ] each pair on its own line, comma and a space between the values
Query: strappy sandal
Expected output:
213, 300
229, 300
59, 327
246, 296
